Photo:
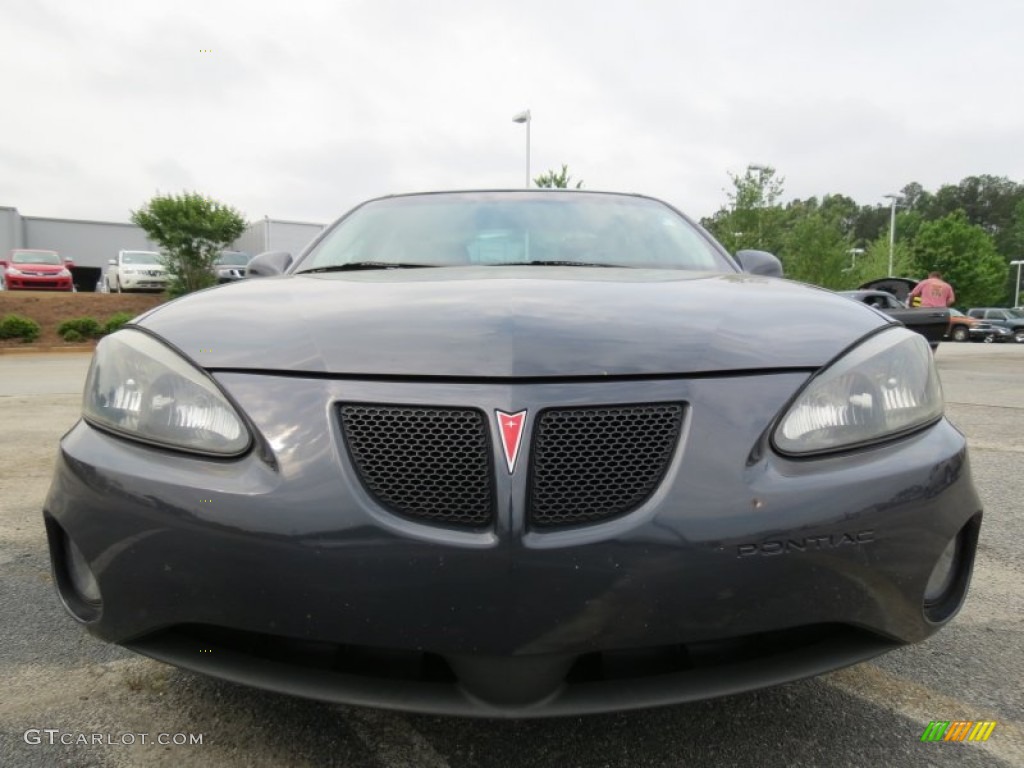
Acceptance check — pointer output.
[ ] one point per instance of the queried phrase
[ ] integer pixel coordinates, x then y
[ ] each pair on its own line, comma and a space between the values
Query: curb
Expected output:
64, 349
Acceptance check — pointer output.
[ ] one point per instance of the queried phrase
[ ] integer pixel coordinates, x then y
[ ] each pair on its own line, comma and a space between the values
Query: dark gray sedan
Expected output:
513, 454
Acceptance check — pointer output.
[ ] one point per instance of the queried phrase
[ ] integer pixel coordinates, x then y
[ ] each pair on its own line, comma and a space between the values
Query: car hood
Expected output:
512, 322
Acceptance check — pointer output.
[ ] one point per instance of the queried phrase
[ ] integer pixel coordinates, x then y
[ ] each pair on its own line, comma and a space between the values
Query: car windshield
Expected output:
233, 258
1015, 313
140, 257
35, 257
505, 228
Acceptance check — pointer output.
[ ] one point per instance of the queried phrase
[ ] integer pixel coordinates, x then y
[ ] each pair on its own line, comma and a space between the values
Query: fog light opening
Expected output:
943, 574
80, 575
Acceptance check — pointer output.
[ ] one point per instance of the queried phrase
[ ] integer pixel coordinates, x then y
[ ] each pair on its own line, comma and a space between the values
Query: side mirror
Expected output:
3, 262
112, 262
759, 263
268, 264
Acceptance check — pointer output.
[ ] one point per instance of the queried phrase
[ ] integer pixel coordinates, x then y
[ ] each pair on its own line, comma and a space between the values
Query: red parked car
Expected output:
29, 269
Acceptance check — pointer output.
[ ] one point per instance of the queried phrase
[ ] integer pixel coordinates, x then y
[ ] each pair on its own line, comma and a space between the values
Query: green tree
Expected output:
965, 255
874, 262
816, 251
191, 230
556, 179
990, 202
753, 217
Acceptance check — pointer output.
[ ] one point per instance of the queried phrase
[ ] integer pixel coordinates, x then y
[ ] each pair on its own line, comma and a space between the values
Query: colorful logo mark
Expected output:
958, 730
510, 428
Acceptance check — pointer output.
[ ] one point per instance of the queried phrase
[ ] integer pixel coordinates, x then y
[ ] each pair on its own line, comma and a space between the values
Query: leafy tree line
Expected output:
969, 231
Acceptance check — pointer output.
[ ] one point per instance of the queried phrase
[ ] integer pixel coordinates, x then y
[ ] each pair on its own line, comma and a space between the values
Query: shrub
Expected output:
85, 327
16, 326
116, 322
72, 335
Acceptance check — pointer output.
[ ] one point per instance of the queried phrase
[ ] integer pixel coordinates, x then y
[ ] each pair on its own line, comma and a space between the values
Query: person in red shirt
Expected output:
934, 292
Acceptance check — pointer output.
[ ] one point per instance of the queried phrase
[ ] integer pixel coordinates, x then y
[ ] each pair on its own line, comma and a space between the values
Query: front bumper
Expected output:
739, 572
143, 282
230, 275
37, 283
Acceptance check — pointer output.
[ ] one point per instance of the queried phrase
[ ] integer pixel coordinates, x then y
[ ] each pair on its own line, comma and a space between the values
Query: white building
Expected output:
93, 243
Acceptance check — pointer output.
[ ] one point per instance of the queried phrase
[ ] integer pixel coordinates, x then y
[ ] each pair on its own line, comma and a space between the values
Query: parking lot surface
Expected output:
60, 685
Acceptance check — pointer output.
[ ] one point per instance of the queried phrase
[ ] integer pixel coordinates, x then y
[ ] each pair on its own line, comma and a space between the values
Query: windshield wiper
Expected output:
550, 263
355, 265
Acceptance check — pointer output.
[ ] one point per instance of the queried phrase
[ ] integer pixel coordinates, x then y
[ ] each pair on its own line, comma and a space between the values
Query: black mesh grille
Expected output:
425, 463
591, 464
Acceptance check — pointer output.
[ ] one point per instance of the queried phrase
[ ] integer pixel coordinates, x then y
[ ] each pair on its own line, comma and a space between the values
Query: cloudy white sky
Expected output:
302, 108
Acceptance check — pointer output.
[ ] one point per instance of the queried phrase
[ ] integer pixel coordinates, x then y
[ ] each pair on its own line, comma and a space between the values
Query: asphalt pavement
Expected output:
58, 685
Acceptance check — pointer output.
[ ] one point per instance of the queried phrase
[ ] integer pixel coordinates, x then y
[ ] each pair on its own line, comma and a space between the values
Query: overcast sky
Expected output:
301, 109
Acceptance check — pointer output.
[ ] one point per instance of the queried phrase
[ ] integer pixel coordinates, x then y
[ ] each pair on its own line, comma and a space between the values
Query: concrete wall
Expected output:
277, 235
92, 243
291, 236
89, 243
10, 230
253, 240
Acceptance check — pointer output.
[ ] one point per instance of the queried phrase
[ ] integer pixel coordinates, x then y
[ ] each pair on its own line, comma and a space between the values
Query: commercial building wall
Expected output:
88, 243
277, 235
10, 230
93, 243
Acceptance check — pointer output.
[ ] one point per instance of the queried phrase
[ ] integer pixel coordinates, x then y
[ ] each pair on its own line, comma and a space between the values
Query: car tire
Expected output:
1018, 335
960, 333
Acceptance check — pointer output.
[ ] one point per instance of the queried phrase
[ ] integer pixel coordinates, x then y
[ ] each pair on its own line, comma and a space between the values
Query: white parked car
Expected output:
135, 271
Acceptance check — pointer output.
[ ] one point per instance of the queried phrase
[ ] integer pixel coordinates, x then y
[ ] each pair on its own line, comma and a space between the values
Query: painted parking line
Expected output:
391, 738
924, 705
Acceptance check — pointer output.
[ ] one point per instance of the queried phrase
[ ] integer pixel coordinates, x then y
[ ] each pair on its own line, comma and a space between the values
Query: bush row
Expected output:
18, 327
78, 329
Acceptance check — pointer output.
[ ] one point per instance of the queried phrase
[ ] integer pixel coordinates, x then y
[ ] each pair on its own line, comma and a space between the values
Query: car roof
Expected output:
860, 293
516, 192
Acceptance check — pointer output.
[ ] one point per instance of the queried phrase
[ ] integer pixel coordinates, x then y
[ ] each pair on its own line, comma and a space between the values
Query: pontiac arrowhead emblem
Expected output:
510, 427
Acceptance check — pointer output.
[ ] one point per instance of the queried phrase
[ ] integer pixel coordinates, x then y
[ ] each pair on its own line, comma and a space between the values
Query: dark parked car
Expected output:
900, 287
231, 265
960, 325
930, 322
1012, 319
513, 454
988, 333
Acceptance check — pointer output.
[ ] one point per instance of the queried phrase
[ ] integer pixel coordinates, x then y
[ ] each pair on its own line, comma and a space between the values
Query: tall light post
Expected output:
892, 227
1016, 287
761, 170
524, 117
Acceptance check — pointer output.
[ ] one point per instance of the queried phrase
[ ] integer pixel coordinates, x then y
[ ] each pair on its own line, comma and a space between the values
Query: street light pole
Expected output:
892, 228
1016, 287
524, 117
761, 170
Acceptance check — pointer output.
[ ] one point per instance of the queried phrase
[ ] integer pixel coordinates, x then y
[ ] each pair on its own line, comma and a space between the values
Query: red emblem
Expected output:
510, 427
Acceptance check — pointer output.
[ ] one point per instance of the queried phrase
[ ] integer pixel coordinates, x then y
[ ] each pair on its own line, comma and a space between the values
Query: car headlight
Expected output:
64, 273
142, 389
128, 271
884, 387
14, 272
